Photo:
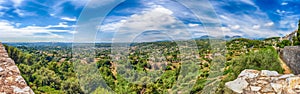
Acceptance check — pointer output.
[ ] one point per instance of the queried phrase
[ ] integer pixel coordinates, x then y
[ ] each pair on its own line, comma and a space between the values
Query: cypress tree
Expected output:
299, 26
298, 32
296, 39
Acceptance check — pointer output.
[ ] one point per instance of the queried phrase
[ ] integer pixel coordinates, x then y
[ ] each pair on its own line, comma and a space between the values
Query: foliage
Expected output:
298, 32
284, 43
43, 73
296, 39
262, 59
50, 70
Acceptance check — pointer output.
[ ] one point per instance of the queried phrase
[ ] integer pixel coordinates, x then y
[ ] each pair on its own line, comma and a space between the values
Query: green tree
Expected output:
71, 86
296, 39
284, 43
298, 32
47, 77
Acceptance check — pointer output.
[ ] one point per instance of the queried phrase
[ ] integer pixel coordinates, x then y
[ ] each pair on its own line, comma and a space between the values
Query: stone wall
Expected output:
11, 81
291, 56
264, 82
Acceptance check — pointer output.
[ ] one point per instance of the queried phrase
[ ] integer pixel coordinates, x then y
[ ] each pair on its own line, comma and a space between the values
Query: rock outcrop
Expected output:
11, 81
291, 56
264, 82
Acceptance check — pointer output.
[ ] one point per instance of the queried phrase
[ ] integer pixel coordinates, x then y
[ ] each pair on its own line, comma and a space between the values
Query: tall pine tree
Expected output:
298, 32
296, 39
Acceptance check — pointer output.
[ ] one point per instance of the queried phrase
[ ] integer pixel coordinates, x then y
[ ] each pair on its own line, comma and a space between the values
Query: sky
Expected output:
144, 20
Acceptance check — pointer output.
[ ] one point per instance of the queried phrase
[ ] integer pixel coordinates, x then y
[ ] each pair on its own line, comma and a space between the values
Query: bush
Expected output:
284, 43
263, 59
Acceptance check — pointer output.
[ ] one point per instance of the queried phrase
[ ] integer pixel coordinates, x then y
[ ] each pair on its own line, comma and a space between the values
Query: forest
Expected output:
49, 69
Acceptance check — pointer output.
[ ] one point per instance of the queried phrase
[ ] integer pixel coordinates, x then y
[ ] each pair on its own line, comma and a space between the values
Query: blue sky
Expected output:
145, 20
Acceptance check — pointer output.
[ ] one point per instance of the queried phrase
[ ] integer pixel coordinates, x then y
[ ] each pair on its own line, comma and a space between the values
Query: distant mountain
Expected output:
226, 37
259, 38
232, 37
36, 44
204, 37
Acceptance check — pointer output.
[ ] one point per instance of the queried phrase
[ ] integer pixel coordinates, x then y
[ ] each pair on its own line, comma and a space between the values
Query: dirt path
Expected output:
287, 70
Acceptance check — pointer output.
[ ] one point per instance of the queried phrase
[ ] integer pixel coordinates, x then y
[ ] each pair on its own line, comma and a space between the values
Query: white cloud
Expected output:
269, 24
229, 31
79, 3
289, 22
193, 25
153, 19
2, 7
68, 19
224, 17
73, 32
91, 3
16, 8
235, 27
61, 24
225, 29
280, 11
112, 27
10, 30
156, 18
23, 13
256, 26
284, 3
293, 25
250, 2
2, 1
18, 24
17, 3
19, 12
51, 14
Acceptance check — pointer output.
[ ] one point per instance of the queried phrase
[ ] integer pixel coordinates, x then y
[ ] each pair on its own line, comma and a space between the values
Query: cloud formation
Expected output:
55, 20
157, 18
11, 31
254, 19
68, 19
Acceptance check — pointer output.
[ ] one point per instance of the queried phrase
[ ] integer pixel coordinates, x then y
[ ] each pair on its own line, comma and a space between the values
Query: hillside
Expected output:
53, 68
53, 71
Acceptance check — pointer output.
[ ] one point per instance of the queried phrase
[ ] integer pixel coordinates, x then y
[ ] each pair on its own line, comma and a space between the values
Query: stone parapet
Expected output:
11, 81
264, 82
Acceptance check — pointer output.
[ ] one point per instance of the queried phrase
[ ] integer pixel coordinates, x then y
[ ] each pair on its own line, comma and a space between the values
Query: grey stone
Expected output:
267, 88
286, 76
292, 82
268, 73
277, 87
25, 90
249, 73
268, 82
291, 55
262, 82
1, 69
255, 88
290, 91
237, 85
